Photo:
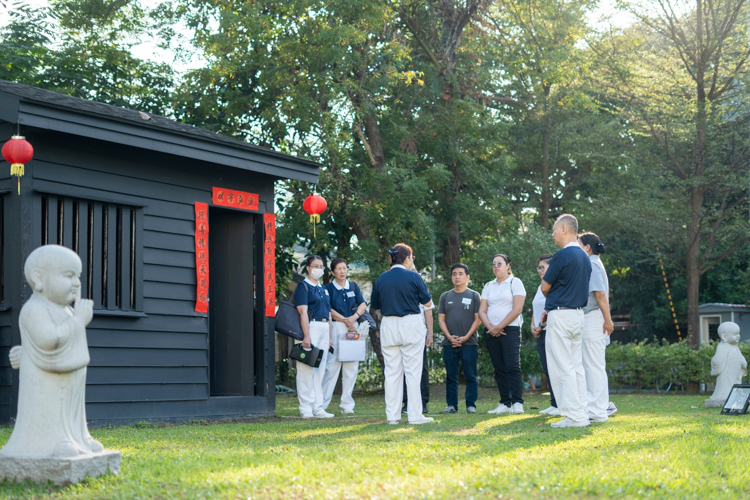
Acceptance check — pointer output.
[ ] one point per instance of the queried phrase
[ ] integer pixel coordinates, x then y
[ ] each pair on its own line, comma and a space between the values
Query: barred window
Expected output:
104, 236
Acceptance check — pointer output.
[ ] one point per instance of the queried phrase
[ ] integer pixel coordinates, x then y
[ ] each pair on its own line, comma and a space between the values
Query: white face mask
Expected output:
317, 273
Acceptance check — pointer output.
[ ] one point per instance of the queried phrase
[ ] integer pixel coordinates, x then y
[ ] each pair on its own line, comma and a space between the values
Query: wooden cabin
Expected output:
175, 229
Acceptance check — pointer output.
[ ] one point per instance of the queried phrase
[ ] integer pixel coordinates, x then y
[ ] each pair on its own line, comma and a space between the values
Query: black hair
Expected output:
592, 240
545, 258
504, 257
336, 262
399, 253
311, 259
462, 266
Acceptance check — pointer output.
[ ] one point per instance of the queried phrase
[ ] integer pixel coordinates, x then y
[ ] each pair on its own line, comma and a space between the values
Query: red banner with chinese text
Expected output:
235, 199
201, 256
269, 263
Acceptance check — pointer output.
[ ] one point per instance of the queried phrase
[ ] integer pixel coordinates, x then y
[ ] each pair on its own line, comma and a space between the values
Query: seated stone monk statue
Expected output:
52, 359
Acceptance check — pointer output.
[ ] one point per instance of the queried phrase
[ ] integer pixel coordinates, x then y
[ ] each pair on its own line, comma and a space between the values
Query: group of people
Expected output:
571, 323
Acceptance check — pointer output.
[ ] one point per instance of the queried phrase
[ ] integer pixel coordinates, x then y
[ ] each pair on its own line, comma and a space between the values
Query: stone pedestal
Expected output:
61, 471
714, 403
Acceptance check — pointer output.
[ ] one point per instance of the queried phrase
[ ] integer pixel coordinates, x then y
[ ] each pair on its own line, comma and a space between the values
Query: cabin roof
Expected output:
44, 109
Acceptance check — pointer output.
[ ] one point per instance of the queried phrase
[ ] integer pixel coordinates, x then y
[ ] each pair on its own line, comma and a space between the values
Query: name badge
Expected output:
326, 291
466, 301
350, 294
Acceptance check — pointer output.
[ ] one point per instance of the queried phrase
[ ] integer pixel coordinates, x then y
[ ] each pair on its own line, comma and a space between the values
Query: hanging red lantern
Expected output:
314, 205
17, 151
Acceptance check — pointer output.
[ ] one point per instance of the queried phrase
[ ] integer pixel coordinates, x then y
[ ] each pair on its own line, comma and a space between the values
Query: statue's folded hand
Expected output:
84, 309
15, 357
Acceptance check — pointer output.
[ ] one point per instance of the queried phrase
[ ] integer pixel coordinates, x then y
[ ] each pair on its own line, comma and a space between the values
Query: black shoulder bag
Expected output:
288, 319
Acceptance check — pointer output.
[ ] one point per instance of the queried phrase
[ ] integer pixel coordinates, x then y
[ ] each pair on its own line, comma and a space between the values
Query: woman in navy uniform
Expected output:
312, 295
347, 306
398, 293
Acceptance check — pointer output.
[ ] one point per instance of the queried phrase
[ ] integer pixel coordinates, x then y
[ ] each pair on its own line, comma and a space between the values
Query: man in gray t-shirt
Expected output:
458, 315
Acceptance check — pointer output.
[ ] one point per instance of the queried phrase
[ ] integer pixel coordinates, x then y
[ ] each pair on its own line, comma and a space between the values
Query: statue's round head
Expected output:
53, 271
729, 332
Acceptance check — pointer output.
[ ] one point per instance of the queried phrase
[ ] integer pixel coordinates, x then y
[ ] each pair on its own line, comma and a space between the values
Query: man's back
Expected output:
568, 273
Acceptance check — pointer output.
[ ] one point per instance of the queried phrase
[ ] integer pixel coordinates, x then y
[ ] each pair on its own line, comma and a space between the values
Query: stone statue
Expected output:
728, 364
50, 440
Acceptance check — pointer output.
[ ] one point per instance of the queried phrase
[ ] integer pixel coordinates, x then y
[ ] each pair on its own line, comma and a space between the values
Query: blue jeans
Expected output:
467, 356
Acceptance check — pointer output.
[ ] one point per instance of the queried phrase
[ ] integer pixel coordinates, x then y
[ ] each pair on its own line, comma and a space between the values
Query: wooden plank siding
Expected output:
154, 367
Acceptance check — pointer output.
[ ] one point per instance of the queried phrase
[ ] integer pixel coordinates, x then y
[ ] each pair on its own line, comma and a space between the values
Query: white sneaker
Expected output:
547, 410
501, 408
307, 415
597, 419
611, 409
423, 420
555, 412
394, 422
566, 422
518, 408
323, 414
347, 412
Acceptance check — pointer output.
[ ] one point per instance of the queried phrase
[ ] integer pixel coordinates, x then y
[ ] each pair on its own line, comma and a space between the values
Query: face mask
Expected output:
316, 273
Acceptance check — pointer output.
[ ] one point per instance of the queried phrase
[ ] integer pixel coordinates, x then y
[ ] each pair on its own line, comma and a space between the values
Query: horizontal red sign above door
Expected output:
235, 199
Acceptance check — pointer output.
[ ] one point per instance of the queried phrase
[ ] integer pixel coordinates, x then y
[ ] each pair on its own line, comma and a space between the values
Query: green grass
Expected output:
655, 446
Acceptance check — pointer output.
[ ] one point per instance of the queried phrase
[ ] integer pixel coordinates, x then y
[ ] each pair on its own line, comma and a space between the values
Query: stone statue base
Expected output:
61, 471
714, 403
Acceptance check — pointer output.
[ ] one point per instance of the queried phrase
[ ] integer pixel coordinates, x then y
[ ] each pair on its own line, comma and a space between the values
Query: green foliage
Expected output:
655, 365
83, 48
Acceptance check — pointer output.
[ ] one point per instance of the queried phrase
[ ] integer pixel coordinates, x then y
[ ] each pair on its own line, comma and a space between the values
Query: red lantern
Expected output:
314, 205
17, 151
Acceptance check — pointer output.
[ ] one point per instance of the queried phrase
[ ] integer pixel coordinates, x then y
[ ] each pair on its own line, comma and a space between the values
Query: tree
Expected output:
84, 48
681, 75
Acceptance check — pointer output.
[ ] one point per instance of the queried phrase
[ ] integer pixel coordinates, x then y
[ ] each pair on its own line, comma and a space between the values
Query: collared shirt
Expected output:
568, 272
499, 297
315, 297
597, 283
398, 292
344, 298
537, 306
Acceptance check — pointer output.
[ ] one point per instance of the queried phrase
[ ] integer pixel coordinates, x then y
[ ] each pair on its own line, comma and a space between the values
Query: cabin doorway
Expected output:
231, 302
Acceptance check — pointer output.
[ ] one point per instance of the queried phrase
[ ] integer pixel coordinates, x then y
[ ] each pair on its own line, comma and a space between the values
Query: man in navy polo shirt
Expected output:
566, 286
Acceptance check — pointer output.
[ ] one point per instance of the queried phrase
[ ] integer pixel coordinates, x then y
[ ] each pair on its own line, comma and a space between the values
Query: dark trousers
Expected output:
467, 356
505, 353
543, 357
424, 384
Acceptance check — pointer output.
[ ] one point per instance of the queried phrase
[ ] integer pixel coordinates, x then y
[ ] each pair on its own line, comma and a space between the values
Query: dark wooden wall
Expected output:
150, 366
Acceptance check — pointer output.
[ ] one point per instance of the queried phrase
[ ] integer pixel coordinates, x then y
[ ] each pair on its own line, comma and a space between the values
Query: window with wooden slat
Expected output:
104, 235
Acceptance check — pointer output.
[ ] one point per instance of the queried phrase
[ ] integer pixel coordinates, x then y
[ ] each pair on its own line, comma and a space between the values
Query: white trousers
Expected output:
564, 362
348, 372
402, 341
309, 379
594, 364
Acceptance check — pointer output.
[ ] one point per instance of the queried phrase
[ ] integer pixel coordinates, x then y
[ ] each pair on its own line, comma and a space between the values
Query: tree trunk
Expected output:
546, 194
452, 244
375, 337
693, 270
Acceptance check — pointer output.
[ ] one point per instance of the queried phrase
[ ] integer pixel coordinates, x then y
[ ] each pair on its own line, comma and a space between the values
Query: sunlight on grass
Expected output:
655, 445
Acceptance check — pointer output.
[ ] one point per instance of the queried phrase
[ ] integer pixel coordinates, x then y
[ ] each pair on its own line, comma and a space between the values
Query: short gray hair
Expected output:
568, 221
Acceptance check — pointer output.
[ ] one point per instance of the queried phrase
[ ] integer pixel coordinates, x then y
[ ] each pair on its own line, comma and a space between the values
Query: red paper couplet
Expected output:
235, 199
269, 263
201, 256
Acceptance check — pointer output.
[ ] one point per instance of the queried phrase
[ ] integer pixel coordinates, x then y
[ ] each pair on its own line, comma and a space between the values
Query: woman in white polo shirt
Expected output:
500, 311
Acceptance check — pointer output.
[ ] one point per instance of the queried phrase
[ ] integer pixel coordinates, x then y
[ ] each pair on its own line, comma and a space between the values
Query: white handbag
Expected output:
354, 350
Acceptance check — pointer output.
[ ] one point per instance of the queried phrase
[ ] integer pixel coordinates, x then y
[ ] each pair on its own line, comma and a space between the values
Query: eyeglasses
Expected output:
541, 268
499, 264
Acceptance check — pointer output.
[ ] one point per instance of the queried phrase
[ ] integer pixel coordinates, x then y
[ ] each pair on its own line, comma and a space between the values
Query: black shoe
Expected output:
425, 410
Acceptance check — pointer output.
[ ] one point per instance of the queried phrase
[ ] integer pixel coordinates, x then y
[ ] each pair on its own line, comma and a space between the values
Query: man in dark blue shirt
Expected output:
566, 286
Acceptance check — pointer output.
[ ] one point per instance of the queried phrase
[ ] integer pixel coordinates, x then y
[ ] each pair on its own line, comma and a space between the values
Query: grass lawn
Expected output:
655, 446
